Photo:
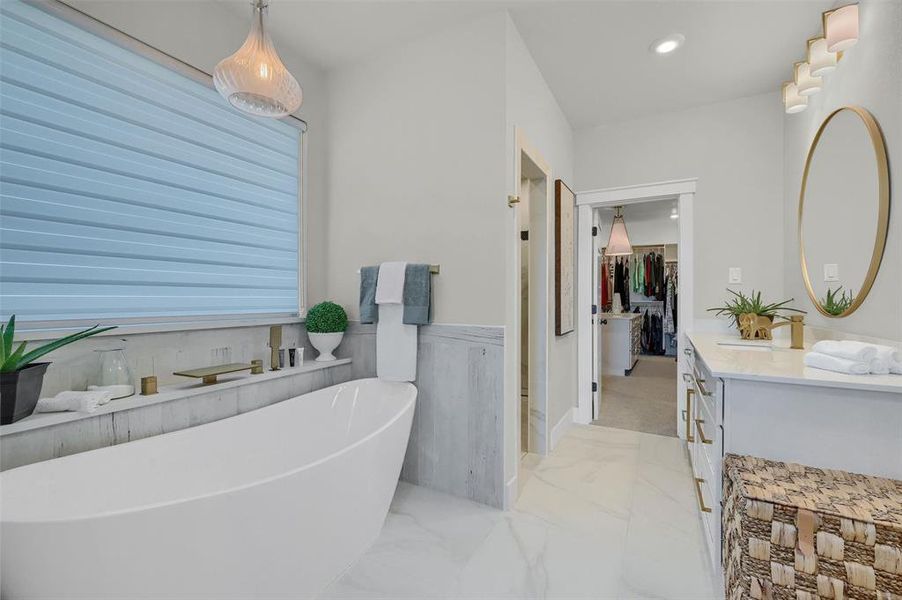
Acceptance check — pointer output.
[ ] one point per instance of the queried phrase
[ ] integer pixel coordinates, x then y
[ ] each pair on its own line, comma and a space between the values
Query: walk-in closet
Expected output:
637, 307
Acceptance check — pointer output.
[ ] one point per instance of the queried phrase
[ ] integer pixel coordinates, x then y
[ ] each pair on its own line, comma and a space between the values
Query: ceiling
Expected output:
593, 53
732, 50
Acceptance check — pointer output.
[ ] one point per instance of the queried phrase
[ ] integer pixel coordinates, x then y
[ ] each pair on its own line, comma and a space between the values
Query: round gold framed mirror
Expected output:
843, 211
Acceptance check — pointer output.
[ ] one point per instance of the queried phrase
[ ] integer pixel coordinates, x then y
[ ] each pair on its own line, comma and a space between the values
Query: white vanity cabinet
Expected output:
766, 403
621, 339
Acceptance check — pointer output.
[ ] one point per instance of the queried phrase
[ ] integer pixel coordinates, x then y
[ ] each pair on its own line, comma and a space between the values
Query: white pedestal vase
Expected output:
325, 343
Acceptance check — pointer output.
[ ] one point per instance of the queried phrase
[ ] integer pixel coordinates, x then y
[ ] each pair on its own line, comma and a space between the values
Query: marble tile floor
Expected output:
609, 514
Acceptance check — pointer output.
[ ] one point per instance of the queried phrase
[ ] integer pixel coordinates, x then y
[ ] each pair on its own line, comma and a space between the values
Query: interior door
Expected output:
596, 321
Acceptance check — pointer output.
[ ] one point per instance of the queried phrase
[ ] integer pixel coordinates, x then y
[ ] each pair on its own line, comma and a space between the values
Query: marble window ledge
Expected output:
166, 394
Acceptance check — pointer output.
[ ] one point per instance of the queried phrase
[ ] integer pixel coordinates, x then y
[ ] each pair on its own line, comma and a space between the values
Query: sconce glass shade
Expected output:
254, 80
841, 28
618, 241
820, 60
805, 83
792, 100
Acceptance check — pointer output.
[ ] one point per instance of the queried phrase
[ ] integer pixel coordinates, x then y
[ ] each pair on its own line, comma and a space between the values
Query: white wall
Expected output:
734, 149
416, 169
869, 75
532, 110
203, 33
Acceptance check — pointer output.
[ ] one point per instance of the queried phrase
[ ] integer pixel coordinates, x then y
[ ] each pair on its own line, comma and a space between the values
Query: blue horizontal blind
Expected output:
129, 191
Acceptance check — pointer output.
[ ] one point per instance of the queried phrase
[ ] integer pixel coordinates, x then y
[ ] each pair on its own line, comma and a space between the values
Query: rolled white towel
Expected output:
888, 353
847, 349
73, 401
879, 367
120, 390
827, 362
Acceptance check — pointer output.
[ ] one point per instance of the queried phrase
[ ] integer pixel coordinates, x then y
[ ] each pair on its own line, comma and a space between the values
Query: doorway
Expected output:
648, 365
533, 212
637, 299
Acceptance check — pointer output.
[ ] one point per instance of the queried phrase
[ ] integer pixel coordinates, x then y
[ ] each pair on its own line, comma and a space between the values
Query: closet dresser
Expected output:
763, 401
621, 342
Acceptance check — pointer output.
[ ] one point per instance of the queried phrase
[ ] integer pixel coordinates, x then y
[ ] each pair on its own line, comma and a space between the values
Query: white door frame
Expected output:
683, 192
511, 412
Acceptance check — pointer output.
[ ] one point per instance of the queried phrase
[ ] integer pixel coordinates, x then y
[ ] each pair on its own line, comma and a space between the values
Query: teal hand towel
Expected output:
369, 310
417, 295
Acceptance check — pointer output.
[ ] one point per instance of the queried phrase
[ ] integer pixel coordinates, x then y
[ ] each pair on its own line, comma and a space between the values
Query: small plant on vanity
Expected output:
326, 324
20, 377
752, 316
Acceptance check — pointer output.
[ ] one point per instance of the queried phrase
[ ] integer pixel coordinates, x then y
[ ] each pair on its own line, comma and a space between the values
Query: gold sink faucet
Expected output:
796, 331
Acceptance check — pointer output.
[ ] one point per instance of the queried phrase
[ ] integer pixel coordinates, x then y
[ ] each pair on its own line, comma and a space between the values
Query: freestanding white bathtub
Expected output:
274, 503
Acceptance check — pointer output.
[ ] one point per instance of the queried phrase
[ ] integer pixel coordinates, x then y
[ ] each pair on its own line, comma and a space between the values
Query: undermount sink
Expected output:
748, 345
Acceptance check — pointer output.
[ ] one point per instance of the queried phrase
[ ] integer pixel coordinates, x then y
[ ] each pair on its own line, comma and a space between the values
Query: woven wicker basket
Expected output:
795, 532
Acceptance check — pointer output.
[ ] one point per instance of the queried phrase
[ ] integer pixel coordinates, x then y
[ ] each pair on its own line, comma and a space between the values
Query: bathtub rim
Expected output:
256, 483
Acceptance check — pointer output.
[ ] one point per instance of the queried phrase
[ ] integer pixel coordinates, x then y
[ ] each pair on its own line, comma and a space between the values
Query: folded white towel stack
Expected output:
834, 363
848, 349
73, 401
875, 358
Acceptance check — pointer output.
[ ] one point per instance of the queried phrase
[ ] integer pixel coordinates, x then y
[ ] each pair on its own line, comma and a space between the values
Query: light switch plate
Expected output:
831, 272
735, 275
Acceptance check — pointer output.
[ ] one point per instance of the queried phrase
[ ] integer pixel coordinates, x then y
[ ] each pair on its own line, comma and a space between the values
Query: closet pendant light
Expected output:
806, 85
618, 241
254, 80
841, 28
793, 102
820, 60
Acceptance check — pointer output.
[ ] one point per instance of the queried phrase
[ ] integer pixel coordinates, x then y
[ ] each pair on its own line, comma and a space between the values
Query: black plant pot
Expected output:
19, 392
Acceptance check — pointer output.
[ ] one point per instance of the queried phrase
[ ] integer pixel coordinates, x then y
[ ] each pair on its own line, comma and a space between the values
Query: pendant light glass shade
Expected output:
805, 83
841, 28
254, 80
618, 241
793, 102
820, 60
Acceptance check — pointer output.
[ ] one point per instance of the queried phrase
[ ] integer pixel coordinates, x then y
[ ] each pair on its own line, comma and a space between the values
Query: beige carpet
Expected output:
643, 401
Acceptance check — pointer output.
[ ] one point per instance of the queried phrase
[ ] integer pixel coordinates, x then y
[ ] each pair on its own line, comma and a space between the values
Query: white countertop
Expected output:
779, 364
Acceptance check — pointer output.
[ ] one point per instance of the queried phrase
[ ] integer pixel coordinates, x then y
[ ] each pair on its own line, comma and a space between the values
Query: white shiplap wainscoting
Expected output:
456, 445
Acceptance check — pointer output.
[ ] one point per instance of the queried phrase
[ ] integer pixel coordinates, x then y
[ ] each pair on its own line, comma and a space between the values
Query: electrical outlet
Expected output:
735, 275
831, 272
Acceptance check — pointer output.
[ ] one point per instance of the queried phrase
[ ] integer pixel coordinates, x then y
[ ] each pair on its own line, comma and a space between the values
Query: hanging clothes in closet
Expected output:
605, 277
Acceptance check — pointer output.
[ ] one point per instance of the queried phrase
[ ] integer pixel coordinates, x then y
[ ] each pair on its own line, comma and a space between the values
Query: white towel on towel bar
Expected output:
834, 363
396, 343
390, 284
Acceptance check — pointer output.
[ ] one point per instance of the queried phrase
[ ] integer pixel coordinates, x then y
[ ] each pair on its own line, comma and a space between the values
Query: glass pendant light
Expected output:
841, 28
820, 60
618, 241
805, 83
792, 100
254, 80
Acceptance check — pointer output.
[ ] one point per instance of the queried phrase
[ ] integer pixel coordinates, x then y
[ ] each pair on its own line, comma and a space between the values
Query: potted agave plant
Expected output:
752, 316
20, 377
326, 324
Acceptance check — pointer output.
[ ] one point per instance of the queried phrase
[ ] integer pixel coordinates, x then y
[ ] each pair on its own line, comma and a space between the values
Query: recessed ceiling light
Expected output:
668, 44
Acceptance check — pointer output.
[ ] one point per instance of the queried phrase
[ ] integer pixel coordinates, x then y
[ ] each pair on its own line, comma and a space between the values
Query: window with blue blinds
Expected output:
130, 192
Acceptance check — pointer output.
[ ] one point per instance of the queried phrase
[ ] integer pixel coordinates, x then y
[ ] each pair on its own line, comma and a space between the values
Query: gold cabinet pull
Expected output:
699, 382
701, 432
698, 492
689, 437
